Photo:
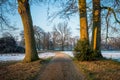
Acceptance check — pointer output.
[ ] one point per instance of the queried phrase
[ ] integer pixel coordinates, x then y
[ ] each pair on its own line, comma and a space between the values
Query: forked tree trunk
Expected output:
83, 20
30, 48
96, 33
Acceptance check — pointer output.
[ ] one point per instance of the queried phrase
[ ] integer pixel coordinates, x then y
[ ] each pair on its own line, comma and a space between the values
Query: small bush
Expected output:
83, 51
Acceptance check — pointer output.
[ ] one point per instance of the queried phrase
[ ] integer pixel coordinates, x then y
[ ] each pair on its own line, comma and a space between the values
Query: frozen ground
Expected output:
11, 57
111, 55
46, 55
108, 54
70, 53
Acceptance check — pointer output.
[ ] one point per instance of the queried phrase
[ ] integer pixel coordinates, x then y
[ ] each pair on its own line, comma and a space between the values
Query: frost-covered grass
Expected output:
46, 55
11, 57
115, 55
16, 57
70, 53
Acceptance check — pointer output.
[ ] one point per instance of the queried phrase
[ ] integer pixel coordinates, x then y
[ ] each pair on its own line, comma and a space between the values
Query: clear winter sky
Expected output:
39, 16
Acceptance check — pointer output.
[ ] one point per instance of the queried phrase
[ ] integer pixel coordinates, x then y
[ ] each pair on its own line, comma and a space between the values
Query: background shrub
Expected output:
83, 51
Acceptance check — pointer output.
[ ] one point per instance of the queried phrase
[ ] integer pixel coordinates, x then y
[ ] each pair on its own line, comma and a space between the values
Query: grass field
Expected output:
16, 70
100, 70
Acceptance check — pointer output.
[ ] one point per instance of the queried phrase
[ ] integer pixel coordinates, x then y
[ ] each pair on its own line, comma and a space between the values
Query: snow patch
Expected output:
9, 57
111, 55
70, 53
46, 55
12, 57
107, 54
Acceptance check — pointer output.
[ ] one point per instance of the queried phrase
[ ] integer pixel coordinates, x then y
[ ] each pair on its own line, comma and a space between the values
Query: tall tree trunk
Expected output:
39, 42
24, 11
82, 47
62, 45
83, 20
53, 44
44, 41
96, 33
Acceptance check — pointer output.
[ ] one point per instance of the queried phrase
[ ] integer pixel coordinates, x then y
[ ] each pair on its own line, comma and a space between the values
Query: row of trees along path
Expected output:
60, 67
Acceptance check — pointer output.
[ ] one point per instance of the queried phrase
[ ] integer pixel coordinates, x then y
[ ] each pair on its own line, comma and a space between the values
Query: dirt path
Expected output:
61, 67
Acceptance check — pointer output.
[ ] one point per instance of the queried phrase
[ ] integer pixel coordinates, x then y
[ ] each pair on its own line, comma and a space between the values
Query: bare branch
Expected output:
112, 10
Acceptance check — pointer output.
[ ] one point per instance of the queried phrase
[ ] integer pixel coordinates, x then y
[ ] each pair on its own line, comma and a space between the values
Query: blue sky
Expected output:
39, 16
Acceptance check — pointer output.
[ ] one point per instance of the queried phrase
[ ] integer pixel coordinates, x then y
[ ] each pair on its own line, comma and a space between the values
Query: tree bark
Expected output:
24, 11
83, 20
53, 47
62, 45
96, 32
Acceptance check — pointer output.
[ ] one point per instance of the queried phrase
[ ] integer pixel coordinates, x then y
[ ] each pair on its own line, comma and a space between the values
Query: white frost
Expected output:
106, 54
46, 55
70, 53
9, 57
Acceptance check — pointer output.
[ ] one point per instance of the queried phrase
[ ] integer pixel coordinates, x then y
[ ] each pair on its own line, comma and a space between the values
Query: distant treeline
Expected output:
9, 45
111, 44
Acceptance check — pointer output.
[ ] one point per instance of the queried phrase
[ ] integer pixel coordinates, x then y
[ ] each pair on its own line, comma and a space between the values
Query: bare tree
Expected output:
63, 32
22, 41
54, 35
39, 36
7, 7
46, 41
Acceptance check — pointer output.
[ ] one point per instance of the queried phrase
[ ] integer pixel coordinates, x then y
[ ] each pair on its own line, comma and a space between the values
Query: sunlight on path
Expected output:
61, 67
